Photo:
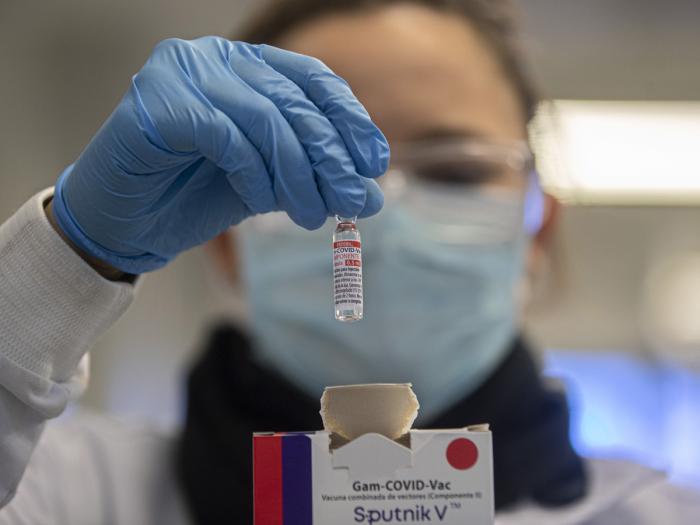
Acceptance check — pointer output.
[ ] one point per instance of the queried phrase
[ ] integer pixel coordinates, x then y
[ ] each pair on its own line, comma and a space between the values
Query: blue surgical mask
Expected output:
440, 305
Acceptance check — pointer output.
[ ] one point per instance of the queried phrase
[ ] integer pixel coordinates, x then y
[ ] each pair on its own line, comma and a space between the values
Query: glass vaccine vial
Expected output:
347, 270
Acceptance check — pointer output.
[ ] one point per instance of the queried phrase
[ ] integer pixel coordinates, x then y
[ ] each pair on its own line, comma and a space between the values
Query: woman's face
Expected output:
421, 73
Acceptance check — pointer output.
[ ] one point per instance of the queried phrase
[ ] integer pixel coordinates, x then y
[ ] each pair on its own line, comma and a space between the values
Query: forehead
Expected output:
419, 72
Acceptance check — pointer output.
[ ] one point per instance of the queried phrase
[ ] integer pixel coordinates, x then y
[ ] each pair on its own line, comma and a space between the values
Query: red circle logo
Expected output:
462, 454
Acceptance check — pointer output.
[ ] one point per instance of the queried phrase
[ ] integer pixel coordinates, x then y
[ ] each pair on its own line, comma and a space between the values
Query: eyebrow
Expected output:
444, 133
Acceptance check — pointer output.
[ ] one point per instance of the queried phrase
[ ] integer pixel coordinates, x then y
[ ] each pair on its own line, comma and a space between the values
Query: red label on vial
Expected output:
347, 244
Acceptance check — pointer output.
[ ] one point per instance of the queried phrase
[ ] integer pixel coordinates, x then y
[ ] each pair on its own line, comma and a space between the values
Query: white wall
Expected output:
65, 65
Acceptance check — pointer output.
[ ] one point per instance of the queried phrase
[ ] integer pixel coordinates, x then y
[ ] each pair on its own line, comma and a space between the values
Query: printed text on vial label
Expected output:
347, 273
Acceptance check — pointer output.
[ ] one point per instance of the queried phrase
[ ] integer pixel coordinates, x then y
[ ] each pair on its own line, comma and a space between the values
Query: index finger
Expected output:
332, 95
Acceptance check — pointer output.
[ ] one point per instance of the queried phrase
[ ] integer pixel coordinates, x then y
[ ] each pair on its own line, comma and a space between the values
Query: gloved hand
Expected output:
209, 133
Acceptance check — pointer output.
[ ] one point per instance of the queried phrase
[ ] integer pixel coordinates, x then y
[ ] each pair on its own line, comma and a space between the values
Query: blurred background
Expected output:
618, 316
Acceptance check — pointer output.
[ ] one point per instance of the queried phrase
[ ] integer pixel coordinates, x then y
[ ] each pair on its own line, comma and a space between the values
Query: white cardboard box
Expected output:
443, 476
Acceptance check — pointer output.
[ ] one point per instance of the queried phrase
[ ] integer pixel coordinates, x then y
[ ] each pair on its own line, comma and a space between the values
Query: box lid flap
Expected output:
372, 456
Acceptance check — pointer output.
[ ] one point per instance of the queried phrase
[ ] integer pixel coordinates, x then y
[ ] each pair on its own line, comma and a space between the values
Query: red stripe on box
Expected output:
347, 244
267, 480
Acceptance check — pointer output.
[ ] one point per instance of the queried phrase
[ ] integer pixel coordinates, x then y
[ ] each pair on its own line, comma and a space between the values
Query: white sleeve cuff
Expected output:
53, 306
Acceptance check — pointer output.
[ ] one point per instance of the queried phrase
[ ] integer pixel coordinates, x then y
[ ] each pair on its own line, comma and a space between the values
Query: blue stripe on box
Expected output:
296, 480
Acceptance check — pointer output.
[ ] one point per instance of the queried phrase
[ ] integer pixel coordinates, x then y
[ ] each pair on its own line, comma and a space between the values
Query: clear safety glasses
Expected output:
465, 161
455, 192
466, 191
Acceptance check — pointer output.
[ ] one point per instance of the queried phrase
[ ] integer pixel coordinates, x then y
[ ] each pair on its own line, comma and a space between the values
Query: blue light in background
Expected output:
623, 406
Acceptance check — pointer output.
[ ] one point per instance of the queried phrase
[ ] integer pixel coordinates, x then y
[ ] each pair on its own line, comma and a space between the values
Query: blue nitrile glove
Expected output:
209, 133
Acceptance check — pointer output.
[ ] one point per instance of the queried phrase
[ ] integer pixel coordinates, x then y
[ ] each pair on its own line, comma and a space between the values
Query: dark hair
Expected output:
493, 19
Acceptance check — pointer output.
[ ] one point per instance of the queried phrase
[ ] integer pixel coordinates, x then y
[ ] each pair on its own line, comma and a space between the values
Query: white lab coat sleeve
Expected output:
656, 503
619, 493
112, 471
53, 306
